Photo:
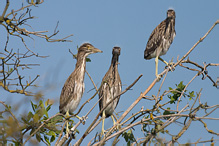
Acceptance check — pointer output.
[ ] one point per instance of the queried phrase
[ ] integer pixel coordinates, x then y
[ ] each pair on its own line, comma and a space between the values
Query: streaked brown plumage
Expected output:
73, 88
111, 86
161, 38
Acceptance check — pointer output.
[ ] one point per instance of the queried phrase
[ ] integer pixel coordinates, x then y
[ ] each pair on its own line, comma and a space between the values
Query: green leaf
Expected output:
48, 108
41, 104
51, 133
38, 137
180, 86
75, 56
88, 59
58, 131
77, 131
158, 127
176, 93
46, 103
36, 118
8, 107
29, 116
34, 106
191, 95
145, 127
168, 113
23, 119
45, 113
10, 70
32, 131
52, 138
129, 137
16, 143
57, 119
46, 139
172, 100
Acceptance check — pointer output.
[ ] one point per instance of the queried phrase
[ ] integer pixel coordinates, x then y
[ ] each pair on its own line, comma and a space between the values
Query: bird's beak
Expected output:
95, 50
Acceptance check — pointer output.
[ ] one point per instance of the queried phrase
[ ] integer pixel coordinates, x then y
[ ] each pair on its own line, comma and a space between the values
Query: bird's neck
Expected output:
81, 65
114, 65
171, 21
114, 68
114, 62
170, 28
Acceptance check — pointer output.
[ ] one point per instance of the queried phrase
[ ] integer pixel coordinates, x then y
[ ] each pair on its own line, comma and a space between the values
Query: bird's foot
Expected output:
103, 132
158, 77
118, 127
82, 119
171, 66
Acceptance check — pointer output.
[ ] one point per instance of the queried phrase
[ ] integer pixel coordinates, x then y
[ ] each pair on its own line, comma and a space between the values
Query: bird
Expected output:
111, 86
160, 40
73, 88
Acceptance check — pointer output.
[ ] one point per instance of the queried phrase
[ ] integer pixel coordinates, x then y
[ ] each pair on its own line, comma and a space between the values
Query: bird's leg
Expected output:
168, 64
103, 116
163, 61
78, 117
82, 119
114, 123
156, 70
67, 130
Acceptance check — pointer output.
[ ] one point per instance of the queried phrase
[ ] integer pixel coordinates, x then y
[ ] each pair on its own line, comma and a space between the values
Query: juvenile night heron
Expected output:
111, 87
73, 88
160, 40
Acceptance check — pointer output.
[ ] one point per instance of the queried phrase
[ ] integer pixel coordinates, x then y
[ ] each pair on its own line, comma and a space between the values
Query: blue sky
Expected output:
127, 24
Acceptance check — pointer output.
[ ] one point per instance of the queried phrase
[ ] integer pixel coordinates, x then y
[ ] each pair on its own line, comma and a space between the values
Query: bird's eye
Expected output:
88, 47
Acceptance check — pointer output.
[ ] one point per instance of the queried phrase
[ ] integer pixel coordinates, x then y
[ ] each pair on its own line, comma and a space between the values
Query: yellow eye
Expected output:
88, 47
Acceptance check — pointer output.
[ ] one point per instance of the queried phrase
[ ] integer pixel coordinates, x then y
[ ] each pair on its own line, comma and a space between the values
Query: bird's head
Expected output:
88, 49
116, 51
171, 14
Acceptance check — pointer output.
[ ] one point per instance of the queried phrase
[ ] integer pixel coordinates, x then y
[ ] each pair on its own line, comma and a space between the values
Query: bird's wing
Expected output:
105, 88
101, 95
118, 87
155, 39
67, 93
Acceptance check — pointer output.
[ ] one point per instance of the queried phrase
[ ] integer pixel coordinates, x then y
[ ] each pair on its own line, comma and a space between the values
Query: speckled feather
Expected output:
73, 88
112, 85
161, 37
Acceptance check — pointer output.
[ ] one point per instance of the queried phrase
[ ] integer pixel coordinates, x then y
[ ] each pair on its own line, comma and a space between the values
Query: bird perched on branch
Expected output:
111, 87
73, 88
160, 40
